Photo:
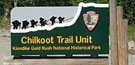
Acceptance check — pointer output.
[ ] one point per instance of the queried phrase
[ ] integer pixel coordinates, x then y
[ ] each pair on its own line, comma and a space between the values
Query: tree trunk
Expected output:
15, 3
6, 11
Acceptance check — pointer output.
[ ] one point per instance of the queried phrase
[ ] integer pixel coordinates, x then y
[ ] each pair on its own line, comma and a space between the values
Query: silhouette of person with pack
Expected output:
42, 21
61, 19
16, 24
25, 24
53, 19
33, 23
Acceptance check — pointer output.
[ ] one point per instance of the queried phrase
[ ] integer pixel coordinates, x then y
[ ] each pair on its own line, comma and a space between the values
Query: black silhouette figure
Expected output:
53, 19
25, 24
61, 19
33, 23
42, 22
16, 24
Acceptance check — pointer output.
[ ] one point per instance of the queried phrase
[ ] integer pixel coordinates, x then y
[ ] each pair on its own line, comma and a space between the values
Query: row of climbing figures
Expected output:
43, 22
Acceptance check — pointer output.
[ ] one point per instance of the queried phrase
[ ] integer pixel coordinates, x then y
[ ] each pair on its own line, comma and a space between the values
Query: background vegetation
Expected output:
7, 5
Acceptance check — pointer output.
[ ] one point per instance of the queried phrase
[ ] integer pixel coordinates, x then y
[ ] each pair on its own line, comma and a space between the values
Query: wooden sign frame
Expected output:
118, 35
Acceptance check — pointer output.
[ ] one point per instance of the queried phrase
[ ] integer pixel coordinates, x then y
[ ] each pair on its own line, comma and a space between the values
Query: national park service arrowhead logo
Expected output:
90, 20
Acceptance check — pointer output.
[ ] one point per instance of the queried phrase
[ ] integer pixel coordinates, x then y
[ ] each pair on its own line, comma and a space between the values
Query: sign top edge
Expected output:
93, 4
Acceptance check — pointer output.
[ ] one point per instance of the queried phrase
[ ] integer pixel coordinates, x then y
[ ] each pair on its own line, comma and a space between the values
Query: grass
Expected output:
1, 18
131, 32
4, 24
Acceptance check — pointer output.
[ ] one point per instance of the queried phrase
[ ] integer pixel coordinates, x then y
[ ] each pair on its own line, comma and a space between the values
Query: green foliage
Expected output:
1, 18
5, 4
129, 9
4, 24
44, 3
1, 7
131, 32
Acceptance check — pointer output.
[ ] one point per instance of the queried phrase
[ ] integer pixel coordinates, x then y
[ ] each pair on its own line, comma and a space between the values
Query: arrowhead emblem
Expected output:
90, 20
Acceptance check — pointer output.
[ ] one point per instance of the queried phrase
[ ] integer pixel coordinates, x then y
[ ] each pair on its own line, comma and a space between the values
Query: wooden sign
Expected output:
60, 30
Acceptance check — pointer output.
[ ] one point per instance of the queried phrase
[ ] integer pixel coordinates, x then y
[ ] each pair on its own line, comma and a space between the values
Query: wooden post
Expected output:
119, 32
125, 44
113, 32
